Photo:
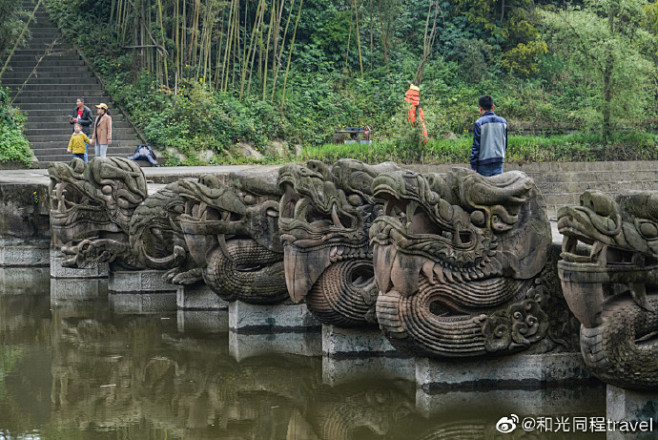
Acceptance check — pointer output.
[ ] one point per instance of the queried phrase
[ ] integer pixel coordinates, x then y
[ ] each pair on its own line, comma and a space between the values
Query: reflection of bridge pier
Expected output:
279, 328
77, 294
142, 291
201, 310
350, 354
633, 406
499, 401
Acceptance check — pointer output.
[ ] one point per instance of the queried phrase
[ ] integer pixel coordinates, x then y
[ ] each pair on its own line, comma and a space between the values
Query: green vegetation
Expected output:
200, 76
562, 148
13, 144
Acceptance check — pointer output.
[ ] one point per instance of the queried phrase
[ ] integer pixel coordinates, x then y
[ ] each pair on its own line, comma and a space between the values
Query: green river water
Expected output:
81, 371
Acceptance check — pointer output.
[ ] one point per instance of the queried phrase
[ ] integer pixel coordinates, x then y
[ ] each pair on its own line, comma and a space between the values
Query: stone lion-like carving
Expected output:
463, 265
325, 216
101, 212
232, 233
609, 274
94, 200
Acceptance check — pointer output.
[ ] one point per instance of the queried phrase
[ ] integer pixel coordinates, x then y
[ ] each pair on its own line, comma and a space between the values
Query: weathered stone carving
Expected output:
101, 211
232, 233
88, 200
609, 274
463, 265
325, 216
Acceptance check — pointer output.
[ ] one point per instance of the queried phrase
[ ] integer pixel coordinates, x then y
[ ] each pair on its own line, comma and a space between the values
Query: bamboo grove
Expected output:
236, 45
242, 46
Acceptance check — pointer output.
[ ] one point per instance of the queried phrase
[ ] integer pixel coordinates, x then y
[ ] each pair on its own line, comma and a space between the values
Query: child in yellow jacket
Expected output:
77, 143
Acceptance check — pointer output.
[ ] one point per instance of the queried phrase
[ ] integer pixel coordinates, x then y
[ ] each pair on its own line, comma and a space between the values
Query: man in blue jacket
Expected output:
489, 140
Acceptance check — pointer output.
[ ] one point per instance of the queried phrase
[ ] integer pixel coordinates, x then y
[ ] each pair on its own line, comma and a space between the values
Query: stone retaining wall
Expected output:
562, 183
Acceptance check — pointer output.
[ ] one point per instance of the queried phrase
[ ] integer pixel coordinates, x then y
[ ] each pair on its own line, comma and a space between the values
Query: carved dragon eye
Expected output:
648, 229
355, 200
249, 199
123, 203
478, 218
107, 189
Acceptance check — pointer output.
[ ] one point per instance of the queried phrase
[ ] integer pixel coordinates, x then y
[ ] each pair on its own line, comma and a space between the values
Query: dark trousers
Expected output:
490, 169
148, 157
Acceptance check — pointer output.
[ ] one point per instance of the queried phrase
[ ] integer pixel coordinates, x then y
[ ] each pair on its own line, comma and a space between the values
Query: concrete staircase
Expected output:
46, 78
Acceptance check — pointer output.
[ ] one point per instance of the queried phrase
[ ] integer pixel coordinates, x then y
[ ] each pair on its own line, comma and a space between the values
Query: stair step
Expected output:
63, 108
56, 91
61, 99
40, 43
50, 62
112, 149
61, 118
55, 71
42, 75
43, 29
41, 113
55, 125
39, 50
67, 157
48, 84
56, 51
122, 147
64, 135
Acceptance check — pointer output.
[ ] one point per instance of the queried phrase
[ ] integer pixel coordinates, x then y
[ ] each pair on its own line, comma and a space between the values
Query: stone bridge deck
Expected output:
561, 183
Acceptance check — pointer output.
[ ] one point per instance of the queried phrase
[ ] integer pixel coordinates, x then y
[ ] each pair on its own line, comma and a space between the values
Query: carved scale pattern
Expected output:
234, 273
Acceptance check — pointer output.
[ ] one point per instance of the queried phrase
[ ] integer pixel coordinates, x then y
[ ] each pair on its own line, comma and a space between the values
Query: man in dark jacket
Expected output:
82, 115
489, 140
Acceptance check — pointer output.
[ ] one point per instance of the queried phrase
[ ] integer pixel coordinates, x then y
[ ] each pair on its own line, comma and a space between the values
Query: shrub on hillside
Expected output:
13, 144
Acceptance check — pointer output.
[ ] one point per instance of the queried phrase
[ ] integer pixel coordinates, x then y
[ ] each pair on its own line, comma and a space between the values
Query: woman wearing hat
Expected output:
102, 136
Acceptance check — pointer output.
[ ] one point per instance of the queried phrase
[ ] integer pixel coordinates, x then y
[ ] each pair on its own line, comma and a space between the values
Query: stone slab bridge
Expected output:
540, 277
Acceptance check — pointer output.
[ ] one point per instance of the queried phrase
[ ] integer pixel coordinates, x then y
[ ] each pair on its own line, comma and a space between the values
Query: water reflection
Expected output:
76, 370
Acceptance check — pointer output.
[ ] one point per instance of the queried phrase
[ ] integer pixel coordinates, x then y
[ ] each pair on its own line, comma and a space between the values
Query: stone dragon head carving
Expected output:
102, 211
609, 274
93, 201
460, 262
325, 215
232, 232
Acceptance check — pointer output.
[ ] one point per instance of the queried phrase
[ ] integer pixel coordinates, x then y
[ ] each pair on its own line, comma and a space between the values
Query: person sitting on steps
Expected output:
144, 151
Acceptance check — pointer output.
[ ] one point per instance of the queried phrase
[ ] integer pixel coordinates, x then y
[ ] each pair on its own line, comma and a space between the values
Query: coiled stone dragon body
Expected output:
232, 232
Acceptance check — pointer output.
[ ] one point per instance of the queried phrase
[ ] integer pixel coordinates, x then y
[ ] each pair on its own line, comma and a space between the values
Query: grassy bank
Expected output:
563, 148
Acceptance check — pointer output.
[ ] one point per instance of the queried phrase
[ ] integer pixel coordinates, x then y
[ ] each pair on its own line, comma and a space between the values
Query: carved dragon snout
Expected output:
609, 274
